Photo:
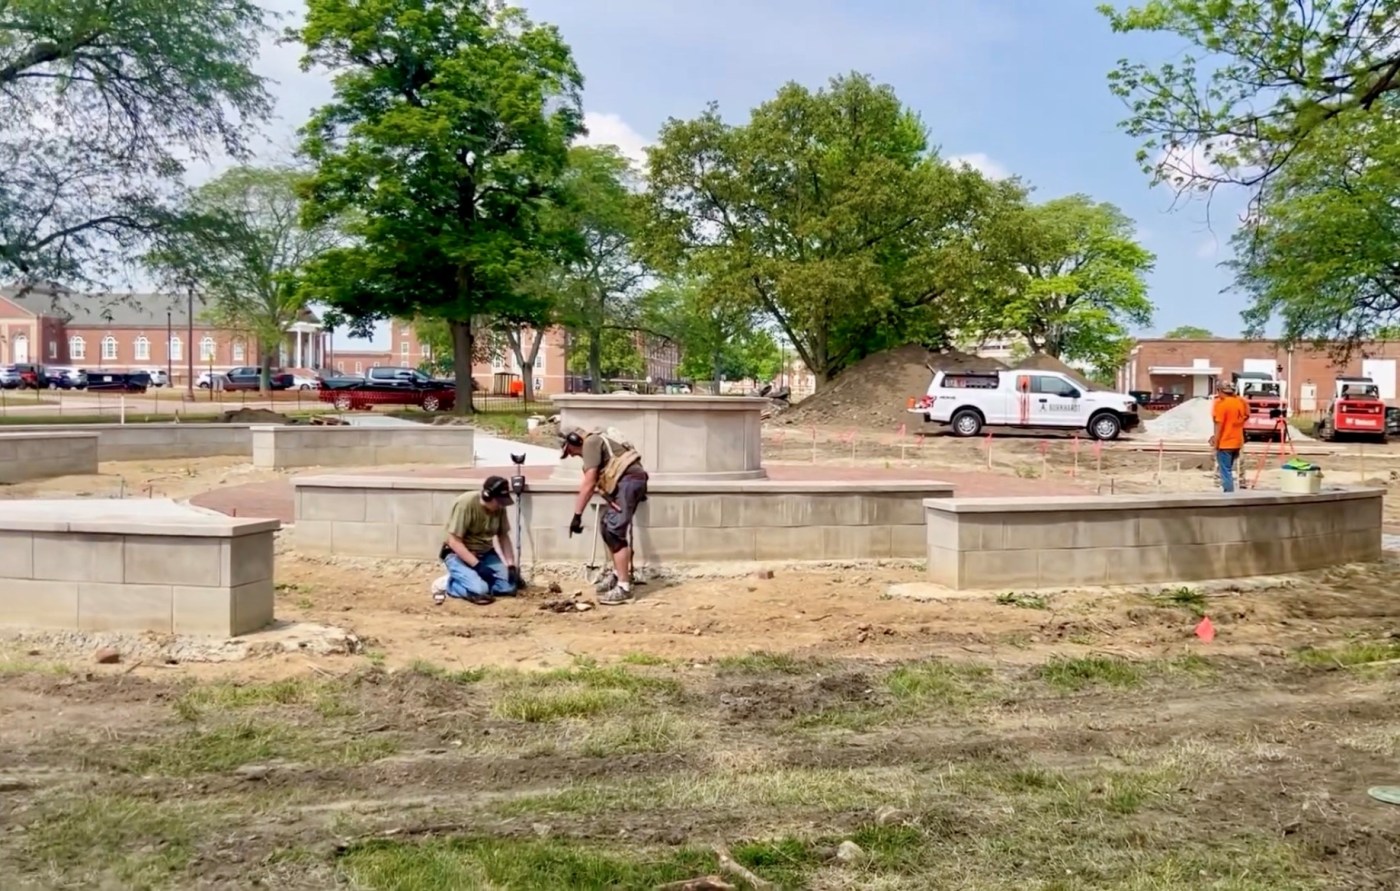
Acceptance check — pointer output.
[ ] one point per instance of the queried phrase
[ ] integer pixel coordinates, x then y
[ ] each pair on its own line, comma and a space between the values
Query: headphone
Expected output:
573, 438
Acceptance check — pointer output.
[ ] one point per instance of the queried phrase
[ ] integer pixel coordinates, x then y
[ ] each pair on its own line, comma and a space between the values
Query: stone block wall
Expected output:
276, 447
1016, 543
134, 566
155, 442
679, 523
38, 456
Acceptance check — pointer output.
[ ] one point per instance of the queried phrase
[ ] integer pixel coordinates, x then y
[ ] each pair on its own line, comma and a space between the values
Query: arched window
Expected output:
142, 349
238, 353
175, 348
77, 348
206, 349
109, 348
19, 348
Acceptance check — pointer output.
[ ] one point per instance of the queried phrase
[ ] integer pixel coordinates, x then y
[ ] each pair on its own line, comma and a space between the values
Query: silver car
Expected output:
9, 377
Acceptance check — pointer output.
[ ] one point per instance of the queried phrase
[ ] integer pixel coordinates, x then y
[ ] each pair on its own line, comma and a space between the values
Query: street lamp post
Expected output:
189, 343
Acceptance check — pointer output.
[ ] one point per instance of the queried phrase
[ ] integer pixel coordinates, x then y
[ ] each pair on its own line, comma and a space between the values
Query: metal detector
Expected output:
517, 487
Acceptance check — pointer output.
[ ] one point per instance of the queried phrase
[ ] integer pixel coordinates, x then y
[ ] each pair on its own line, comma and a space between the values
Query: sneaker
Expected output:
439, 585
606, 582
614, 596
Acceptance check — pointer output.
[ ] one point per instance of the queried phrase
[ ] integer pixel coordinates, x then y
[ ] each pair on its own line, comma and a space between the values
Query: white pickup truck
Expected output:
967, 401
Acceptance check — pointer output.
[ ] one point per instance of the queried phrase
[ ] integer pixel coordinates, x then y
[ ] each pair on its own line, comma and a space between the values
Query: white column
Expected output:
299, 365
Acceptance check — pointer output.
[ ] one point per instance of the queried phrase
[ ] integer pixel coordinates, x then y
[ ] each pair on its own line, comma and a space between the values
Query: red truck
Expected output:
1267, 410
389, 386
1356, 412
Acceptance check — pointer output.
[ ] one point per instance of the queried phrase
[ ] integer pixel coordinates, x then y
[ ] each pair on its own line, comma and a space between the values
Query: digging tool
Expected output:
592, 566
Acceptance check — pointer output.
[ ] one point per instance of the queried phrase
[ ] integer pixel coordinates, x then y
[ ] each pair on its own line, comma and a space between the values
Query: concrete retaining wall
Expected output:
38, 456
679, 523
153, 442
276, 447
1016, 543
134, 565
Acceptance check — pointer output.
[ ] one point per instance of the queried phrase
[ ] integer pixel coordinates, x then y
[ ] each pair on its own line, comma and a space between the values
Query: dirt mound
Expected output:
873, 394
1044, 362
254, 416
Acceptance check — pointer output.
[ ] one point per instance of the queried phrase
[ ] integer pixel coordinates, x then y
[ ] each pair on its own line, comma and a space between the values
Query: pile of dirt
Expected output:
873, 394
254, 416
1045, 362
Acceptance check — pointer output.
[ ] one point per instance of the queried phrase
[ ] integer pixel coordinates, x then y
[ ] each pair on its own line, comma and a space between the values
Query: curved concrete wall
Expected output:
153, 442
1016, 543
767, 520
282, 446
39, 456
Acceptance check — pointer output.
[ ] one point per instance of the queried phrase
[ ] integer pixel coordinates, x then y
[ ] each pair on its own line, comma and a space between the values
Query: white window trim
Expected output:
109, 348
77, 347
176, 348
207, 348
141, 349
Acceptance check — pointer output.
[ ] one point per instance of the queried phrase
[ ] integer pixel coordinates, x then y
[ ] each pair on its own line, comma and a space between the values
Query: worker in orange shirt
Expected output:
1230, 412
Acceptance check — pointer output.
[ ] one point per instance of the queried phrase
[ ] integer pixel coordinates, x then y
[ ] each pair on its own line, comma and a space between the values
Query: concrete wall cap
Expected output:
33, 434
1143, 502
131, 516
549, 486
667, 402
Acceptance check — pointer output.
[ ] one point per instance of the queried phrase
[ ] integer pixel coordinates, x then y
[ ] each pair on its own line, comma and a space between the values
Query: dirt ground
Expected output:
823, 733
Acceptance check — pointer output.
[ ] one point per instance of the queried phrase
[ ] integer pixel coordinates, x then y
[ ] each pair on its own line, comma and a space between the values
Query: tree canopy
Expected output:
1189, 332
1260, 80
446, 138
830, 213
1080, 280
102, 102
244, 247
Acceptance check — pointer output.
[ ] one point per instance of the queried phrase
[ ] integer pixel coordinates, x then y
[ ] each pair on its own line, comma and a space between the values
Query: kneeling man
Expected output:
478, 555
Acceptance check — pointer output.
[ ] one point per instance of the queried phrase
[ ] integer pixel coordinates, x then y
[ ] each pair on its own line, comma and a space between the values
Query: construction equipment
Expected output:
1267, 408
1356, 412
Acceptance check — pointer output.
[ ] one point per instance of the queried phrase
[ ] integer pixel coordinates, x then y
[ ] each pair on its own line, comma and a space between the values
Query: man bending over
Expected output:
613, 469
478, 555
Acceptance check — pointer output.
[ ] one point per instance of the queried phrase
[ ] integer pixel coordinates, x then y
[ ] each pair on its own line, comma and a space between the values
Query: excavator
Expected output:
1267, 408
1356, 412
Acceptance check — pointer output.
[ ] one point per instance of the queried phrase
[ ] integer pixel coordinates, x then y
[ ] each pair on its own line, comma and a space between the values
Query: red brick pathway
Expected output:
274, 499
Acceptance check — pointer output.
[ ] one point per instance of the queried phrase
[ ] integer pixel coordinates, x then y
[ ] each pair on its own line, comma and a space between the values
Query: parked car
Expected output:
31, 376
9, 377
1392, 421
305, 382
206, 379
389, 386
249, 377
64, 378
159, 377
118, 381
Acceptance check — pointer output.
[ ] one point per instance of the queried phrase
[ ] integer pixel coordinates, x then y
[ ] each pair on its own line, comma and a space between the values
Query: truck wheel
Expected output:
343, 402
967, 422
1105, 426
431, 403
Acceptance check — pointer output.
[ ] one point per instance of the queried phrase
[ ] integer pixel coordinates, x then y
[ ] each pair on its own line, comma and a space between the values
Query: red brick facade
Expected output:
1191, 366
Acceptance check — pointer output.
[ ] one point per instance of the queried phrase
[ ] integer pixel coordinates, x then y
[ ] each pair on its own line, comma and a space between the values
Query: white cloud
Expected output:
982, 163
1208, 248
606, 128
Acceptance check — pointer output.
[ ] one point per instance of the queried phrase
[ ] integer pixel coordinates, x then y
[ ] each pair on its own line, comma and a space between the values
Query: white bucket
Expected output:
1300, 482
531, 424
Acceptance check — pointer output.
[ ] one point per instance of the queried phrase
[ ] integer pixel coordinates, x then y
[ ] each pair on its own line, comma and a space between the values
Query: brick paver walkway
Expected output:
273, 500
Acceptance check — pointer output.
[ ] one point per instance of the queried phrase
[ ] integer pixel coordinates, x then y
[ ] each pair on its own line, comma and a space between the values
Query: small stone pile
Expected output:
1191, 422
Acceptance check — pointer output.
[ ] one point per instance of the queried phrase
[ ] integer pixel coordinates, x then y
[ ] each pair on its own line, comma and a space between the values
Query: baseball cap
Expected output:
1226, 386
497, 488
571, 439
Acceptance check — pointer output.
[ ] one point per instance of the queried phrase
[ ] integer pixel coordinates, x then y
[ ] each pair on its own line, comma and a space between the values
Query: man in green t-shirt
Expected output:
478, 555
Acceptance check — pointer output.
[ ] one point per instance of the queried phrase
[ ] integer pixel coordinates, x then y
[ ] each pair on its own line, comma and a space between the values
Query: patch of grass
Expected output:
223, 748
787, 862
661, 732
1088, 671
1351, 654
139, 842
765, 662
936, 683
643, 659
14, 667
1187, 598
1023, 601
462, 676
514, 863
589, 674
539, 706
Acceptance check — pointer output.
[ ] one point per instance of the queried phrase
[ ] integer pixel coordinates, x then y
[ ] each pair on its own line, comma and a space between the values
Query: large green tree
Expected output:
597, 289
245, 248
1324, 259
829, 212
719, 338
1080, 279
102, 102
1189, 332
1259, 79
446, 138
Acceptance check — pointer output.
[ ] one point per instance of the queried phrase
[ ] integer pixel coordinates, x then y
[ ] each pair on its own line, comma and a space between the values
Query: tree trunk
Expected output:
265, 374
715, 374
595, 361
462, 349
525, 360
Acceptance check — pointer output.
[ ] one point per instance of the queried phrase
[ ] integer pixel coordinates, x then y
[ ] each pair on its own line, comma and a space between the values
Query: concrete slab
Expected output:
493, 451
63, 514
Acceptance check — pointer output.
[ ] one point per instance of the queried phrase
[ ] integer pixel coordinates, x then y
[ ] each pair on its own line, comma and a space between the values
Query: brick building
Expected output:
124, 332
1190, 367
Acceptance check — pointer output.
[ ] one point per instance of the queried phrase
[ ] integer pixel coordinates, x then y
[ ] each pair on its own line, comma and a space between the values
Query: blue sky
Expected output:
1012, 86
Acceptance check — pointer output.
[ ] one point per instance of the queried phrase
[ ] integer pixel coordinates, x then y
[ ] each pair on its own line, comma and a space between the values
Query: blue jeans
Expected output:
1226, 458
462, 580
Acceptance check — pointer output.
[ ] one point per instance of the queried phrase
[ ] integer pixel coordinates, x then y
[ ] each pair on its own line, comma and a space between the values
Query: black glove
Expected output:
484, 573
576, 527
513, 574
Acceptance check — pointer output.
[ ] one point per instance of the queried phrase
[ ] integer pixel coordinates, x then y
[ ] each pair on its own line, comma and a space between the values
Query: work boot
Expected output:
606, 582
615, 595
